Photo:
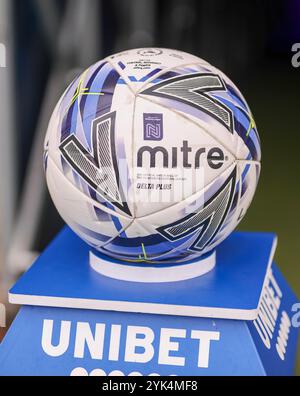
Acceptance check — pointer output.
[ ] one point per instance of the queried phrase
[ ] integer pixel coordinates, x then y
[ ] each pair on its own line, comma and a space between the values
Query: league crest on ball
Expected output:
154, 159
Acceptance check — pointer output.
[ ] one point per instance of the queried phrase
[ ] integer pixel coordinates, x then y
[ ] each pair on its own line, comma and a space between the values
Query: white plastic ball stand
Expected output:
152, 273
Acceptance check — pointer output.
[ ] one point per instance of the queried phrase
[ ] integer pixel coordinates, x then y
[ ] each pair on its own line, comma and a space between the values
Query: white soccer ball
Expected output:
152, 155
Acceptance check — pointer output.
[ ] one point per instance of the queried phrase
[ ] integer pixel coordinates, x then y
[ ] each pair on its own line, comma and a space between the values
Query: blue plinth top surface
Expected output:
62, 277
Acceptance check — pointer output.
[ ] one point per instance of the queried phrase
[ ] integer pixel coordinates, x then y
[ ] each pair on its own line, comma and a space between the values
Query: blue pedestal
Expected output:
235, 320
62, 277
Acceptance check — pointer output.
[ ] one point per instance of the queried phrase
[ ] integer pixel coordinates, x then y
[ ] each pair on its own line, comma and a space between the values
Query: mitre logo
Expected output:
153, 126
184, 156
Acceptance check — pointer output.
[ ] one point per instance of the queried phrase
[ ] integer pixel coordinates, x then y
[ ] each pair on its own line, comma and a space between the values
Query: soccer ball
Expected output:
152, 155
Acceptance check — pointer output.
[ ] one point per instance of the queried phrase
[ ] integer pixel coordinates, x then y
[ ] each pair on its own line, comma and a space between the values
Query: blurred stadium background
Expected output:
44, 43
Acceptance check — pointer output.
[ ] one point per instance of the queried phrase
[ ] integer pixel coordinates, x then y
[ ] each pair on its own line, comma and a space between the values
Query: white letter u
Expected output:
64, 338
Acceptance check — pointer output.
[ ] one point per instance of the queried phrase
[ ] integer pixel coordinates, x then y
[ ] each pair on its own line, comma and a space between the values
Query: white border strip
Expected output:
136, 307
151, 273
